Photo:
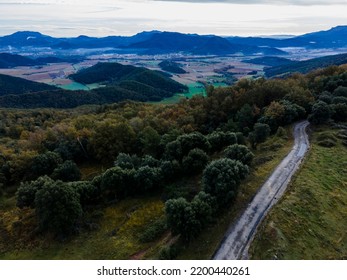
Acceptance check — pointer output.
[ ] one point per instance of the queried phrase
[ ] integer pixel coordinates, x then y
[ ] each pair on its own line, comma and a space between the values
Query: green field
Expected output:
310, 221
194, 89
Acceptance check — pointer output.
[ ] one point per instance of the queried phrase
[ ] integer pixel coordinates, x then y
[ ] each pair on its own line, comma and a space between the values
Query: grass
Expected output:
115, 237
267, 157
194, 89
310, 221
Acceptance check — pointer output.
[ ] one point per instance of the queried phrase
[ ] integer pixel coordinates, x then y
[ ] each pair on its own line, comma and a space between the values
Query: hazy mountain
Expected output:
163, 42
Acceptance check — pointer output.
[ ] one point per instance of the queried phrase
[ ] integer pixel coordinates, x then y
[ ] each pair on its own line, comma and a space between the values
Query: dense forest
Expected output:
146, 149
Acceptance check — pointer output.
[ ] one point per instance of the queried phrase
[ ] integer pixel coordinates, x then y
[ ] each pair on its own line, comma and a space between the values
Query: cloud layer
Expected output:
270, 2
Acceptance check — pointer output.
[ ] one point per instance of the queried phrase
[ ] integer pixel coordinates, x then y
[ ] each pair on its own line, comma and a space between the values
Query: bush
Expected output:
321, 113
170, 169
240, 153
58, 207
154, 230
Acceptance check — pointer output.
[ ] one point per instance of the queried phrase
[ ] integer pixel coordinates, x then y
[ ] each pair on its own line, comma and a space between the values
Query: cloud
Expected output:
266, 2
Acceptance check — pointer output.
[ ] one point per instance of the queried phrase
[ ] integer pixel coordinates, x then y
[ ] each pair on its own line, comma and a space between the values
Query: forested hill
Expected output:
121, 82
127, 76
307, 65
270, 61
17, 86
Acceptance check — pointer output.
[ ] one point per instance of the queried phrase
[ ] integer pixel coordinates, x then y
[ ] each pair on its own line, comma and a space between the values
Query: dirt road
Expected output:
236, 243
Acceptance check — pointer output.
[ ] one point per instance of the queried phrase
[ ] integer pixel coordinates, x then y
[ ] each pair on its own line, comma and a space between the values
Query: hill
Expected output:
18, 86
171, 66
307, 65
269, 61
8, 60
121, 83
129, 77
13, 60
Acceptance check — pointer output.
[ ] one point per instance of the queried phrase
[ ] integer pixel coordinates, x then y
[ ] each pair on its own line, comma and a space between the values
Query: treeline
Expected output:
148, 148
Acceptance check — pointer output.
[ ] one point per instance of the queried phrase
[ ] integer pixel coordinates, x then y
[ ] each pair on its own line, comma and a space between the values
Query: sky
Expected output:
70, 18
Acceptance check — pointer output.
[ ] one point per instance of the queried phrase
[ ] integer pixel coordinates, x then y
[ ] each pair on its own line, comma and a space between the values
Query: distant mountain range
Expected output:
156, 42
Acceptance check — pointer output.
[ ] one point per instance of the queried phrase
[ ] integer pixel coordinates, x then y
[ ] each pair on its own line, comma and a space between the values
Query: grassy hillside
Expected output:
310, 221
17, 86
307, 66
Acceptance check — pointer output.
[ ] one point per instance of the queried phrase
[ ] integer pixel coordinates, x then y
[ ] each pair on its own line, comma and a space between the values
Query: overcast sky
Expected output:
67, 18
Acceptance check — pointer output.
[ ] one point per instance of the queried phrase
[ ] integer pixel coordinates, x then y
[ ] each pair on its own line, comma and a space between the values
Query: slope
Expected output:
307, 65
17, 86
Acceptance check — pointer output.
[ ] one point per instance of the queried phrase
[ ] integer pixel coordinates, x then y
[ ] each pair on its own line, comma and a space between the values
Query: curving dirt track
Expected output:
236, 243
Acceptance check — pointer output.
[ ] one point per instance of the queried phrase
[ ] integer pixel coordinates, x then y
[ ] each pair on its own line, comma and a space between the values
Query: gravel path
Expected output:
236, 243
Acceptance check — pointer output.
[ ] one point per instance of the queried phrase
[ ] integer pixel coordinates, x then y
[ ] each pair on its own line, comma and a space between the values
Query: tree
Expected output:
321, 112
110, 139
245, 117
58, 207
204, 207
126, 161
191, 141
221, 178
44, 164
118, 183
27, 191
170, 170
339, 112
260, 134
219, 139
88, 192
67, 172
240, 153
181, 218
195, 161
148, 178
150, 140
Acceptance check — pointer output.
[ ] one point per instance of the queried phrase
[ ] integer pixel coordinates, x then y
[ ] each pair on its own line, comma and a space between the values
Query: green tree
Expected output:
321, 113
221, 178
27, 191
117, 183
67, 172
44, 164
148, 178
181, 218
260, 134
195, 161
58, 207
240, 153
